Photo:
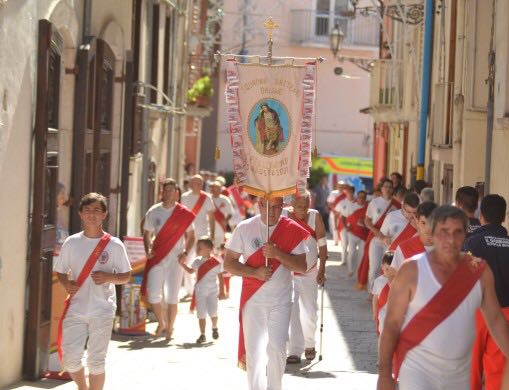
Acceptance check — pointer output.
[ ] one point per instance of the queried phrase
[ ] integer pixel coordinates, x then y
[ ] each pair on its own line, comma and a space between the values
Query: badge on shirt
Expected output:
257, 243
158, 221
104, 258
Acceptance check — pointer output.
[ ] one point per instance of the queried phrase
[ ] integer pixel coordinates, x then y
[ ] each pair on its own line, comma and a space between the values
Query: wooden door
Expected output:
45, 178
92, 123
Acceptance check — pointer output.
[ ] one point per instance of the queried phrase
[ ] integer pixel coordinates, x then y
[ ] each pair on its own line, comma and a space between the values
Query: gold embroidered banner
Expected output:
270, 112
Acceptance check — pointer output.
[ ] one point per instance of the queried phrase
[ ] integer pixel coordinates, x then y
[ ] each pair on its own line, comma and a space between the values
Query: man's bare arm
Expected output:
490, 307
212, 223
400, 296
235, 267
369, 224
322, 249
147, 242
189, 240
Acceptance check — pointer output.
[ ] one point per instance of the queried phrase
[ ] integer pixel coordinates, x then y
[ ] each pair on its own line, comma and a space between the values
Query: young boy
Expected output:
90, 264
206, 291
381, 288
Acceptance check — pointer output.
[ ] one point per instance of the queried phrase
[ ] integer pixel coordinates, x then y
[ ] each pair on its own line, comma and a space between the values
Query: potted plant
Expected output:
200, 92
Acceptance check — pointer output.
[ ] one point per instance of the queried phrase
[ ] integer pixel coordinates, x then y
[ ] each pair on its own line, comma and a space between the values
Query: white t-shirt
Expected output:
208, 283
346, 207
92, 300
246, 239
393, 224
311, 242
378, 286
155, 219
375, 210
332, 196
224, 205
201, 222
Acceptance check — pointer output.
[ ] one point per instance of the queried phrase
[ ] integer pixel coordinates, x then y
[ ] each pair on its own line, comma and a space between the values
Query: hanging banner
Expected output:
348, 166
270, 111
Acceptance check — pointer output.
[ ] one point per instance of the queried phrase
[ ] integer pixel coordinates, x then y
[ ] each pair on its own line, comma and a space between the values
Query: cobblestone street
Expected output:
349, 349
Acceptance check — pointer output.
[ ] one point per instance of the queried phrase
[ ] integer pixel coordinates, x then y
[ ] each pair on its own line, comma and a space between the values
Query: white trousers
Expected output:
344, 244
304, 315
166, 277
75, 332
206, 303
190, 279
333, 227
376, 252
265, 337
422, 371
355, 251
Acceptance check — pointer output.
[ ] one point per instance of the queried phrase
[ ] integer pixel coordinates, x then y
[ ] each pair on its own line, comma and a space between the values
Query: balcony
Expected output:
386, 85
310, 27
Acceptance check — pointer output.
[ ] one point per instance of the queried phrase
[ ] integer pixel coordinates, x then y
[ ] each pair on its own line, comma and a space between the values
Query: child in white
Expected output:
93, 305
206, 290
380, 308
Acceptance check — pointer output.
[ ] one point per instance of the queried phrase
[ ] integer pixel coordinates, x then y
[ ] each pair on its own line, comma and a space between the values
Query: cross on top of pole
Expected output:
270, 25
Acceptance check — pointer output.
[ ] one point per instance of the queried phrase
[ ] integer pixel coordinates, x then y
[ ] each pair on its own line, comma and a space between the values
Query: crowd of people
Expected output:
431, 272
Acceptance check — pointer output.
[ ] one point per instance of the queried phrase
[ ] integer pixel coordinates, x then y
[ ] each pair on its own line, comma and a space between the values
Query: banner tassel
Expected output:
217, 153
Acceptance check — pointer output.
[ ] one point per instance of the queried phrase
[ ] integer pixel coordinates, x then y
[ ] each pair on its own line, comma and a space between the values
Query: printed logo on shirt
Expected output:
104, 258
158, 221
497, 241
257, 243
378, 211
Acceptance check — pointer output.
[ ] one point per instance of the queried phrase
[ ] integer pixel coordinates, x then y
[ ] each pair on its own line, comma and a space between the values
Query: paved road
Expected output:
349, 350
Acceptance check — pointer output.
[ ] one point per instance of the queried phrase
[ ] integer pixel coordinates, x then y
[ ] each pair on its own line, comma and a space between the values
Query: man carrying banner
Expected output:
304, 315
90, 264
400, 224
357, 232
200, 203
431, 299
491, 243
333, 199
419, 243
374, 248
172, 225
266, 297
222, 213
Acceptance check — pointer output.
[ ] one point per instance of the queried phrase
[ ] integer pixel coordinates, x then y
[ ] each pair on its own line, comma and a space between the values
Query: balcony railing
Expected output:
312, 27
386, 85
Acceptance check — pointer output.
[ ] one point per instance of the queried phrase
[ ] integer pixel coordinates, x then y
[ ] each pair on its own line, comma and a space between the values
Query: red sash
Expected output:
411, 247
338, 199
407, 233
202, 271
287, 235
312, 233
382, 301
168, 236
220, 218
353, 220
439, 307
235, 193
362, 272
199, 203
85, 272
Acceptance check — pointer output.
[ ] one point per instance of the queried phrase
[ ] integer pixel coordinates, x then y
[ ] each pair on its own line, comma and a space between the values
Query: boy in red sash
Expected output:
200, 203
206, 292
375, 248
429, 326
381, 287
419, 243
304, 315
172, 225
90, 264
223, 212
490, 242
266, 297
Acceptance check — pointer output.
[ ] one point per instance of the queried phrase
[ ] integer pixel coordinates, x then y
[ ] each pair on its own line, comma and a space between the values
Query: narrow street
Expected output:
349, 349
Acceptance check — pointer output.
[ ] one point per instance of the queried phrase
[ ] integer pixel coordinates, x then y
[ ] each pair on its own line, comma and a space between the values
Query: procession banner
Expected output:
270, 111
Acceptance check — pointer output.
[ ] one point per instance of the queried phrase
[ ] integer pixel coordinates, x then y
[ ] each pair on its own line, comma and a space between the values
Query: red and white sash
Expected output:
287, 235
408, 232
411, 247
233, 190
167, 238
382, 301
202, 271
353, 221
439, 307
338, 199
362, 273
84, 274
312, 233
199, 203
220, 218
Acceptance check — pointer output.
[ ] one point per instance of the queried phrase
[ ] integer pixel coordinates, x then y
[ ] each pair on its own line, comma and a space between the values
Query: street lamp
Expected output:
336, 39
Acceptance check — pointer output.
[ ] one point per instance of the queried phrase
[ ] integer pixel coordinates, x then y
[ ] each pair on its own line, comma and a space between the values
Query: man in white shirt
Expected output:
90, 264
200, 203
266, 297
223, 212
397, 220
333, 199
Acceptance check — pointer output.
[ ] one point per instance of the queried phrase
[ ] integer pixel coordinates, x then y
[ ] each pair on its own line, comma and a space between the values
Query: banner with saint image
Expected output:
270, 111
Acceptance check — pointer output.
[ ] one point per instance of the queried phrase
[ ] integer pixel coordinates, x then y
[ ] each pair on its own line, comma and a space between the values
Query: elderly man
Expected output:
305, 296
431, 299
266, 298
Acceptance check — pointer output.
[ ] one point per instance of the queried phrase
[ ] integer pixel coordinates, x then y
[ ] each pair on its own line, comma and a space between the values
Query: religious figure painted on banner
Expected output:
269, 127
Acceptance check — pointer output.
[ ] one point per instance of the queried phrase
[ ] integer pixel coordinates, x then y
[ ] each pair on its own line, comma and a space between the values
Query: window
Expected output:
328, 14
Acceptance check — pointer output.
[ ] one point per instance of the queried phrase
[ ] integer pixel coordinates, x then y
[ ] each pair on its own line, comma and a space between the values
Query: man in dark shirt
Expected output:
467, 199
491, 243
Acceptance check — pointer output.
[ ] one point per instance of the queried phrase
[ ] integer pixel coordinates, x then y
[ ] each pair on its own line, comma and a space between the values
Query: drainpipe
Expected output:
87, 16
426, 76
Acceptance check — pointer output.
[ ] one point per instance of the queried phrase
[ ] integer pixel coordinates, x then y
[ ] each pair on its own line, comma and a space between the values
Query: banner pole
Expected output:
267, 222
